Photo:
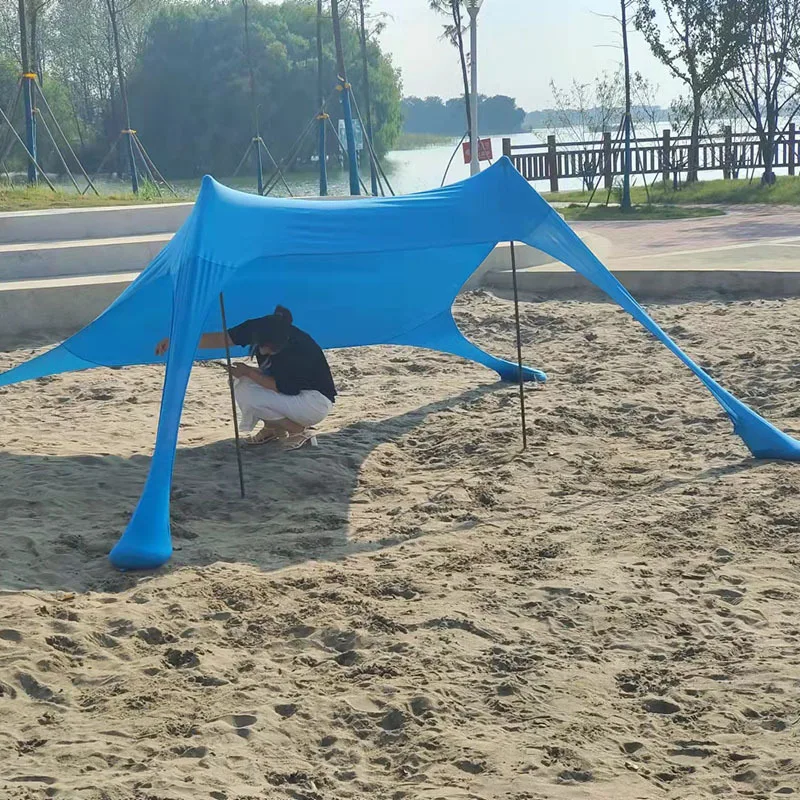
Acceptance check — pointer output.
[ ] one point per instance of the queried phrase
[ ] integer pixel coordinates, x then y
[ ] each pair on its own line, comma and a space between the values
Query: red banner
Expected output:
484, 151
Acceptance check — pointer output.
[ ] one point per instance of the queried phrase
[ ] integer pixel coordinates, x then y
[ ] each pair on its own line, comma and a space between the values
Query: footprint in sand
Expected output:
154, 636
394, 721
34, 779
181, 659
241, 723
421, 706
301, 631
201, 751
657, 705
575, 776
36, 690
631, 747
7, 691
64, 645
471, 767
728, 595
348, 658
339, 640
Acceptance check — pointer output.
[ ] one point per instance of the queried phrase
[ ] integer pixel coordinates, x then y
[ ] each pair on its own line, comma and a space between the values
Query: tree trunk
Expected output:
30, 119
367, 99
626, 179
34, 53
768, 144
692, 174
123, 94
23, 37
455, 5
352, 156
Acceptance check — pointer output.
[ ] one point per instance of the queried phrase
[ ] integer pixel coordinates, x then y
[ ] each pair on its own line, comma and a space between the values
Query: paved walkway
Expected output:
747, 238
753, 251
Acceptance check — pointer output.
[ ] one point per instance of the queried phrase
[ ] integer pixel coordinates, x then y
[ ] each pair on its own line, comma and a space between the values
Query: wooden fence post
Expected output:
727, 153
666, 155
552, 163
792, 148
507, 147
608, 167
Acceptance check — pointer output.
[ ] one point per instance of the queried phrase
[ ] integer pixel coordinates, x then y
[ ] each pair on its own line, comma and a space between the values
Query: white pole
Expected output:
474, 166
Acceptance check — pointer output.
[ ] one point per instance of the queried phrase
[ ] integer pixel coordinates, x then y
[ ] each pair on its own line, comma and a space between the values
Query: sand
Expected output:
415, 609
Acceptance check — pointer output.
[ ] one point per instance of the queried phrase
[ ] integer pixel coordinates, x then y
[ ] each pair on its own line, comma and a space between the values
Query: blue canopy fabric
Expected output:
356, 272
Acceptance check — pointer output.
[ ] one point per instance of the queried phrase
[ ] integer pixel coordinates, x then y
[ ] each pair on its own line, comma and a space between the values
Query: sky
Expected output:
522, 45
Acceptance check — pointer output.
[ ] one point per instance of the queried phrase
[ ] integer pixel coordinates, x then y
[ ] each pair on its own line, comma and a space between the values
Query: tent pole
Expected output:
233, 396
519, 349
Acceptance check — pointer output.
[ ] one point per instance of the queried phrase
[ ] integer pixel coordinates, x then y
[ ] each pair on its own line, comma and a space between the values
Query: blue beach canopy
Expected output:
378, 271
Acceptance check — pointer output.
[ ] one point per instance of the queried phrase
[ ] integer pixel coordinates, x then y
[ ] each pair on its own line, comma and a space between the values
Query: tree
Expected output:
645, 111
764, 82
500, 114
699, 42
367, 25
454, 33
81, 56
114, 19
200, 119
586, 109
432, 115
627, 121
35, 19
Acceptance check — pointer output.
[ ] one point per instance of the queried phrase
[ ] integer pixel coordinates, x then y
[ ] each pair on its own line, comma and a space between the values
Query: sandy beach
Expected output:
416, 609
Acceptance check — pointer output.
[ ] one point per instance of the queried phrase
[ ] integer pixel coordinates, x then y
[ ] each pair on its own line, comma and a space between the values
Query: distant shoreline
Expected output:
414, 141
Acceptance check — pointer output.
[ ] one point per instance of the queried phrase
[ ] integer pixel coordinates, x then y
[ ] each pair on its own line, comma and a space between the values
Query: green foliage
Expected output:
190, 93
699, 41
58, 97
498, 114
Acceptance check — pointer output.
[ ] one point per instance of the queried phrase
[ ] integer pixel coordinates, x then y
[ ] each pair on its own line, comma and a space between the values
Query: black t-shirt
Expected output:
300, 366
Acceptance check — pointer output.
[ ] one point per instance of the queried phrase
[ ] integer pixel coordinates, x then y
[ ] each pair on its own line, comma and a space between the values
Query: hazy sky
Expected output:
522, 44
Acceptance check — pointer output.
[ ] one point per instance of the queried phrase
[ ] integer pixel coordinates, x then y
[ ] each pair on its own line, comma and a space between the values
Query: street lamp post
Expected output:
473, 7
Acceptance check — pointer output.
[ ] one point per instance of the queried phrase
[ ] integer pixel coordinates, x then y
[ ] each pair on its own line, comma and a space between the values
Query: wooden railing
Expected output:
603, 159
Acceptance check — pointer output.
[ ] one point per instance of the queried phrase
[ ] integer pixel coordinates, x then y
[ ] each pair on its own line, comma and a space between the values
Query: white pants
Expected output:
257, 403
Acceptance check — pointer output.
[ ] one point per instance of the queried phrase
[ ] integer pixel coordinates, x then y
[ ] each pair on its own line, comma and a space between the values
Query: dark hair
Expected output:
272, 330
280, 311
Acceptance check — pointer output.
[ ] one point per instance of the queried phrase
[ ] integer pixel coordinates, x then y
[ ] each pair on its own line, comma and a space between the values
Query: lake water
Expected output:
408, 171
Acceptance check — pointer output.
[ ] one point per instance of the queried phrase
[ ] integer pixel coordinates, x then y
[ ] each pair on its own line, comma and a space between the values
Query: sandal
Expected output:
299, 440
264, 436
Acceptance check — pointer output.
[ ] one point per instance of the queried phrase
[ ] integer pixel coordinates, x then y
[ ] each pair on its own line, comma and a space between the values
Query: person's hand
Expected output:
241, 370
162, 347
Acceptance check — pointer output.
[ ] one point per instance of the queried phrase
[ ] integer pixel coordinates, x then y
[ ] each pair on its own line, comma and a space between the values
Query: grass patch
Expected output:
786, 191
29, 198
413, 141
578, 213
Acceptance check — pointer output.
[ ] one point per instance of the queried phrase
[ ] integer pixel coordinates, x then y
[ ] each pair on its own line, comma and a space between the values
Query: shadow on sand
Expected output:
60, 516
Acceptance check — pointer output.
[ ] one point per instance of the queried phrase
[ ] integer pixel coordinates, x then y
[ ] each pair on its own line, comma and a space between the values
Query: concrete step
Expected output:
35, 310
557, 282
61, 224
29, 261
55, 307
79, 257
